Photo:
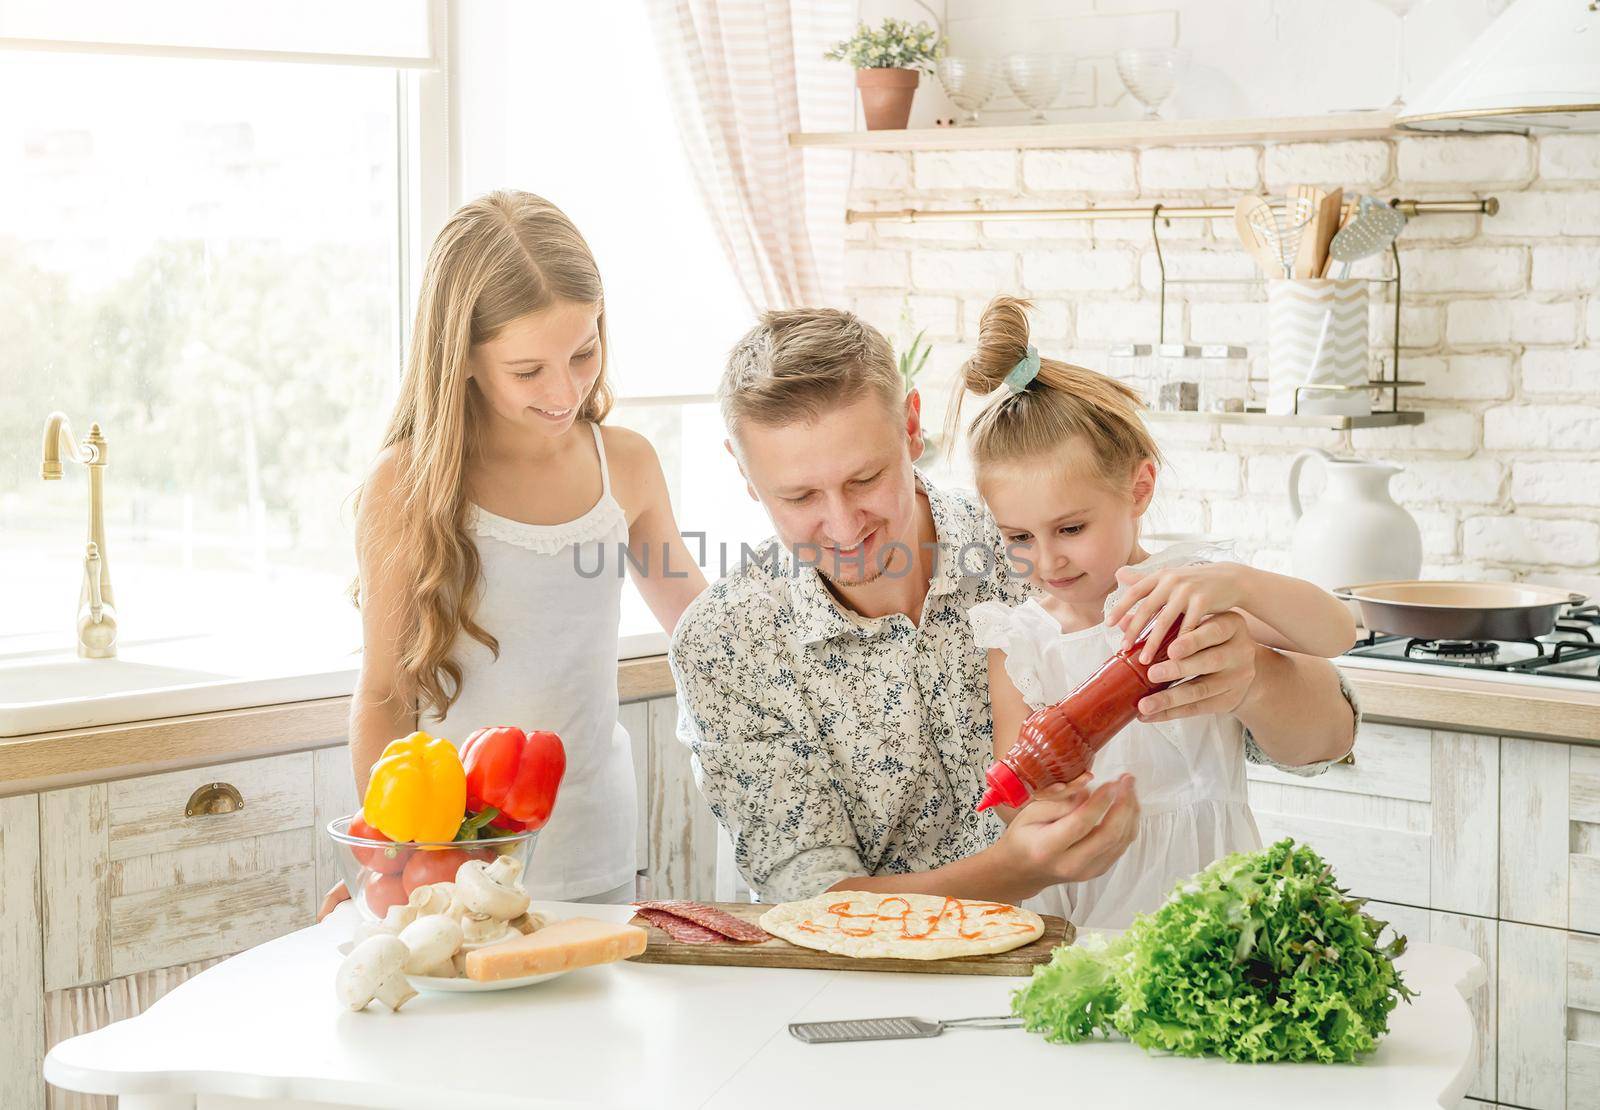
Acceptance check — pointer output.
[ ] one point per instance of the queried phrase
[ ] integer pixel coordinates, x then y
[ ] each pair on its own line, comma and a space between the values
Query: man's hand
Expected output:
1069, 833
1189, 594
1219, 660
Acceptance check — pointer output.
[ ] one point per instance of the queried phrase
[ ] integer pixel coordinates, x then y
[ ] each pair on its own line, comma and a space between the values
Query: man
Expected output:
832, 694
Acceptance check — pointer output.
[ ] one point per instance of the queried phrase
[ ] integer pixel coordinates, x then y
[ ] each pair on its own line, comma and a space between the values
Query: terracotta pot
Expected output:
886, 96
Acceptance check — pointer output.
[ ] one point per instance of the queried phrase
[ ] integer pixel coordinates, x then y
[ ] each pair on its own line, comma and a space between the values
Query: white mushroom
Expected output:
375, 969
431, 899
491, 889
530, 922
478, 931
431, 941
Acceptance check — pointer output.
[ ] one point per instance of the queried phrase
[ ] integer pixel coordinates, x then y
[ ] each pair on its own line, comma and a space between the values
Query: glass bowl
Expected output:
381, 873
1036, 79
970, 83
1151, 74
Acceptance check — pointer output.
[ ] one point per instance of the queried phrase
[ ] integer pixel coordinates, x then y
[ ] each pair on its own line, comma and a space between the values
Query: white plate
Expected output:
464, 985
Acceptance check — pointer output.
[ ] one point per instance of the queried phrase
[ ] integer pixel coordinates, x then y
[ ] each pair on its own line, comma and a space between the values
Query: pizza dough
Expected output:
902, 926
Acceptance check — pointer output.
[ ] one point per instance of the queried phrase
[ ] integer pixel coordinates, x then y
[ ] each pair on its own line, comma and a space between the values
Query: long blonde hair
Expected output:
1063, 405
499, 258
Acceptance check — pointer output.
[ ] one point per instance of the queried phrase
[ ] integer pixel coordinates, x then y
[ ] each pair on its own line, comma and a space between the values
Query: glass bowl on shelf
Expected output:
1152, 74
970, 83
382, 873
1036, 79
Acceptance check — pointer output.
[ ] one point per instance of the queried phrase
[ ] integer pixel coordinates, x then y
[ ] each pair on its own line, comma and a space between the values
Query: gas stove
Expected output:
1568, 655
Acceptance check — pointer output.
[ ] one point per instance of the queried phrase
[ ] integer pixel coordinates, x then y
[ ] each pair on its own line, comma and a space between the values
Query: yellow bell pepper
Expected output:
417, 790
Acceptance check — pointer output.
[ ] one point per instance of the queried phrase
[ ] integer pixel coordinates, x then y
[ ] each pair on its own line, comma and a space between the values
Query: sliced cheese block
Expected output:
561, 946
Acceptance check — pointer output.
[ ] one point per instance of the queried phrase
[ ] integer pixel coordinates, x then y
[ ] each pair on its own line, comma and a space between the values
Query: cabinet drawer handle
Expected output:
1350, 758
214, 797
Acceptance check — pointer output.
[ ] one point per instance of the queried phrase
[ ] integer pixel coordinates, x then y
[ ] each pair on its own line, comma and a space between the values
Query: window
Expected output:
202, 256
600, 141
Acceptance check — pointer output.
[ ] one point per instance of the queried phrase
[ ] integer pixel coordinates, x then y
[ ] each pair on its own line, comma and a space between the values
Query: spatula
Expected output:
1319, 233
1370, 232
890, 1029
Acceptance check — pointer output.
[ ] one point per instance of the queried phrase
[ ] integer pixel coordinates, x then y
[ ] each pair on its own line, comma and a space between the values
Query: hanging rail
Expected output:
1486, 206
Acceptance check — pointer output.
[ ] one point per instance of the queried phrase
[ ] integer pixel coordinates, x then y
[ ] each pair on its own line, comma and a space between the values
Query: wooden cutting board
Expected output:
778, 952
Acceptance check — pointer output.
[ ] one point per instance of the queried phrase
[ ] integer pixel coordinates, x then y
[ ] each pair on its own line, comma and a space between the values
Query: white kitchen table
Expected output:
263, 1030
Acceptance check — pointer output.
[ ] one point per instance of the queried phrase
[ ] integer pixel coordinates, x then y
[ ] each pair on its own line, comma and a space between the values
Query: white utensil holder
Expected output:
1309, 372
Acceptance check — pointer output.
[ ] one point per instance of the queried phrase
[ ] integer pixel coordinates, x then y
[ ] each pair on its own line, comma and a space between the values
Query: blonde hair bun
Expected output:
1063, 405
1002, 343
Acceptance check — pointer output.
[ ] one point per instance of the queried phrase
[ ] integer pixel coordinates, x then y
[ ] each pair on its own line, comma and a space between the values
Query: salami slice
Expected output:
720, 921
681, 928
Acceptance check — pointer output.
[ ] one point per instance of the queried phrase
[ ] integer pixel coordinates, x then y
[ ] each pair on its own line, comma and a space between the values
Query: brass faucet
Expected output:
97, 607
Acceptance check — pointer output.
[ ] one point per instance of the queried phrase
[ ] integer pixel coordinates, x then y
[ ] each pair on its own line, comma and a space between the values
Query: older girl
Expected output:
498, 494
1068, 468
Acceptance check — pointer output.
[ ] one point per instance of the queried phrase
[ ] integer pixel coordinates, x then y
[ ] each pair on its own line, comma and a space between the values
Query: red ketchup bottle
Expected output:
1058, 743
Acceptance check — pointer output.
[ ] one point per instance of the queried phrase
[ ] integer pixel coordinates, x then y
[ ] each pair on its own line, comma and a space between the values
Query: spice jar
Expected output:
1177, 369
1224, 374
1131, 364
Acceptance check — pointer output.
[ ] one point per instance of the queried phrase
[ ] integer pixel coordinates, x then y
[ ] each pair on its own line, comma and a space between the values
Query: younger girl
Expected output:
496, 497
1068, 468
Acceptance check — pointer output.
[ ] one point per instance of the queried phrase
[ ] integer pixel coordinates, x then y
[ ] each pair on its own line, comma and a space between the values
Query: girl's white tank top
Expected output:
551, 595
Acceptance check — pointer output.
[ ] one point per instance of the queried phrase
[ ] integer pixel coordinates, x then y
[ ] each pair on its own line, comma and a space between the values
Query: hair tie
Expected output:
1023, 373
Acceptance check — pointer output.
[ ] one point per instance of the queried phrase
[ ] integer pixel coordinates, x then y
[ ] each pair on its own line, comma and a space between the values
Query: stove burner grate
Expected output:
1466, 651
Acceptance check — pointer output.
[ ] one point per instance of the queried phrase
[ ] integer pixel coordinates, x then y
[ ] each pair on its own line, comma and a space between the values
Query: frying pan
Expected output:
1460, 610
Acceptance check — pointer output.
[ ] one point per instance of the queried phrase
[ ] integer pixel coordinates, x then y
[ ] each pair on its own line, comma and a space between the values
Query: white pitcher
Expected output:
1355, 532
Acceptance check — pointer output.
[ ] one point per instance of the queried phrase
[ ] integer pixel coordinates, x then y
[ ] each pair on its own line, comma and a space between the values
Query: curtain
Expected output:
742, 75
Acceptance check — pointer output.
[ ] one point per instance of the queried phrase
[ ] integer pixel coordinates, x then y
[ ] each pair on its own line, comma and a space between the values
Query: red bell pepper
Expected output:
515, 772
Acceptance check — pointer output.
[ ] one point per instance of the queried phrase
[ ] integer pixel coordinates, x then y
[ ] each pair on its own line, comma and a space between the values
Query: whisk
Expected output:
1280, 225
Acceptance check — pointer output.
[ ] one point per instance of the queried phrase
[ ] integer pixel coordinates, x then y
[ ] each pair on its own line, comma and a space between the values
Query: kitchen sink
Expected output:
48, 691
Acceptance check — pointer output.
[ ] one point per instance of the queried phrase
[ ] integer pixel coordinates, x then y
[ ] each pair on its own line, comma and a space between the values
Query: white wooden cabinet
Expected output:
1550, 838
1414, 820
1478, 935
21, 956
132, 882
1549, 988
678, 833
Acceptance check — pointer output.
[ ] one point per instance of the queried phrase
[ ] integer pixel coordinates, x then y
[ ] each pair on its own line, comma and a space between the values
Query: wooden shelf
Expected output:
1116, 133
1274, 420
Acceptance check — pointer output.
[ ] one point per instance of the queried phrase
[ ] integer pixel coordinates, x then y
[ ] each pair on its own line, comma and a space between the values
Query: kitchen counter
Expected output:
264, 1025
1478, 704
51, 760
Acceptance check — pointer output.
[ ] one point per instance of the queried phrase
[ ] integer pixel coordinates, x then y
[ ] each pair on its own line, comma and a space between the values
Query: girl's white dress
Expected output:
1189, 773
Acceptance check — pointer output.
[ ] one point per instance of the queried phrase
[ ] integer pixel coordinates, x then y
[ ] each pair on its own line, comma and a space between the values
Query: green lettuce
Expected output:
1259, 957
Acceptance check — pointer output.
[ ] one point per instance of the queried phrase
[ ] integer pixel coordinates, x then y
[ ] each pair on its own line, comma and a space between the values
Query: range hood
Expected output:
1536, 68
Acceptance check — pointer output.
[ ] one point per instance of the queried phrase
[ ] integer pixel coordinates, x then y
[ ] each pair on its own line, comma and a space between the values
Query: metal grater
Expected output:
890, 1029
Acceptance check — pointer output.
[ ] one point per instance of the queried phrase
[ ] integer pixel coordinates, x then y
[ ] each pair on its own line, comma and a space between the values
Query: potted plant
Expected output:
888, 65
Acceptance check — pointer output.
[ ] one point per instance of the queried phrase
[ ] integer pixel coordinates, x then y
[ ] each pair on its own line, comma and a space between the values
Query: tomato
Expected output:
440, 866
382, 891
387, 861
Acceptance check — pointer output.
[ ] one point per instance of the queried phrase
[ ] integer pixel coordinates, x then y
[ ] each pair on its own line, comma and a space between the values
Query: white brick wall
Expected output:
1060, 271
1466, 160
1350, 165
1078, 171
1501, 321
1180, 169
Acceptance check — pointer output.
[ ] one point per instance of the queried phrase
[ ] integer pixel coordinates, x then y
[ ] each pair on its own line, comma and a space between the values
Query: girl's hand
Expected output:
338, 894
1218, 659
1190, 594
